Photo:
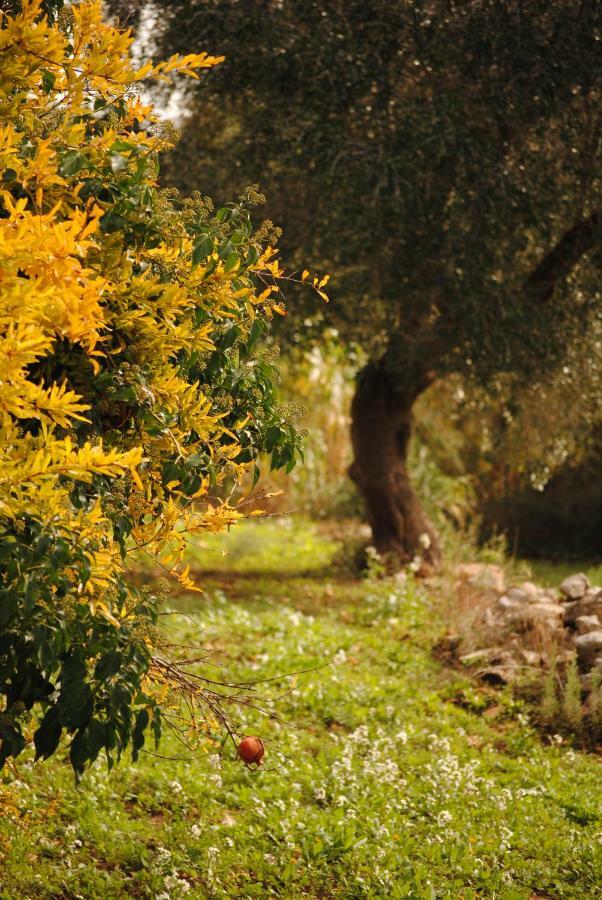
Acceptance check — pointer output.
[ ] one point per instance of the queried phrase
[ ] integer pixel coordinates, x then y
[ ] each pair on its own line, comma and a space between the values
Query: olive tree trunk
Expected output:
380, 431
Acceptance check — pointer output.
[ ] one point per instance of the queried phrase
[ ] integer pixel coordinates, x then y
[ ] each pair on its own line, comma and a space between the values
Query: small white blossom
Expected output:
176, 787
172, 883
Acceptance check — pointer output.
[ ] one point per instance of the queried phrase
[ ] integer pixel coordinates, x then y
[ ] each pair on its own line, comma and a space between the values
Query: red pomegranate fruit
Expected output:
251, 750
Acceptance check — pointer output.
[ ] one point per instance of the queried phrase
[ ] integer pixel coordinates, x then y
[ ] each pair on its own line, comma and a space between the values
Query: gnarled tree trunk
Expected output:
380, 432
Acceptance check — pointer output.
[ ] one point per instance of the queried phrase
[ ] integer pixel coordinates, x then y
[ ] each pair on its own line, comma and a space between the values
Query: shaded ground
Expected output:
396, 779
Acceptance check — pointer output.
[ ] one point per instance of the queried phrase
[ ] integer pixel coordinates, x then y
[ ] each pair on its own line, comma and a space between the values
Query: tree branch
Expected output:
558, 263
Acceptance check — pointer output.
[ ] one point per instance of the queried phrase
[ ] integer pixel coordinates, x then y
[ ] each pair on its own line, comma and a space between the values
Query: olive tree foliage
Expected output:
132, 384
442, 158
531, 453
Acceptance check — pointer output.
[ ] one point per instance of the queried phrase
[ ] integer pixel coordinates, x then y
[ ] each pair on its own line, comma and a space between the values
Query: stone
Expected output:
487, 654
585, 624
549, 614
484, 575
518, 594
497, 675
589, 648
588, 605
509, 603
532, 657
575, 586
530, 589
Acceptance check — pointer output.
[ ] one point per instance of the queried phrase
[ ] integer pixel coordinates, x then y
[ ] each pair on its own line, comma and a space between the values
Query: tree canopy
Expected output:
440, 158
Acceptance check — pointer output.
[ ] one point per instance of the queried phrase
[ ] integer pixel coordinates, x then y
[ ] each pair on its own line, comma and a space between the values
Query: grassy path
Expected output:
398, 779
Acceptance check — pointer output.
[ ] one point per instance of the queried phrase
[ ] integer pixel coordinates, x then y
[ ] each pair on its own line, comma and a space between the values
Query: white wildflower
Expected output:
173, 883
176, 787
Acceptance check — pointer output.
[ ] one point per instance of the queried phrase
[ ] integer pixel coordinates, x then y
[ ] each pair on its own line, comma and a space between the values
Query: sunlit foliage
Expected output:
133, 396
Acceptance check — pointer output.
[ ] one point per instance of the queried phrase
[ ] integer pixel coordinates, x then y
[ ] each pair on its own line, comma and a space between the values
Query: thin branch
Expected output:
558, 263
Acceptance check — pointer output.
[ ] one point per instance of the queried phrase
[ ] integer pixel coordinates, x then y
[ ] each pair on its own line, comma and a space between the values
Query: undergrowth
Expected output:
394, 776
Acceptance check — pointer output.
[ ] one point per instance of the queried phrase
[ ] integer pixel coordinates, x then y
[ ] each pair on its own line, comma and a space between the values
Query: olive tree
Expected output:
440, 158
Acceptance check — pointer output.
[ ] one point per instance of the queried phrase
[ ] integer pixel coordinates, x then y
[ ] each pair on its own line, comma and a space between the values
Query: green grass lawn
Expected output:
395, 778
552, 573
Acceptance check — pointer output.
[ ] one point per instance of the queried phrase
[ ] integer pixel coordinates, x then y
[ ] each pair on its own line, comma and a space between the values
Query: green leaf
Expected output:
12, 741
48, 80
47, 736
108, 665
79, 753
252, 256
121, 146
231, 262
226, 249
72, 162
271, 437
142, 720
202, 249
229, 338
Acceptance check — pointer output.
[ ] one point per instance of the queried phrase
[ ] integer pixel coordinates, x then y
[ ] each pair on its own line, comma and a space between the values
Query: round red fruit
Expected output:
251, 750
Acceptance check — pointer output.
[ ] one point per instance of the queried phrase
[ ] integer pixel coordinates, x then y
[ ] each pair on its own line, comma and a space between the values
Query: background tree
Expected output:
531, 453
131, 384
440, 157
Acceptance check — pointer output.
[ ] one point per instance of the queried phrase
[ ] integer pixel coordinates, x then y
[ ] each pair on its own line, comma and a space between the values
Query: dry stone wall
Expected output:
529, 623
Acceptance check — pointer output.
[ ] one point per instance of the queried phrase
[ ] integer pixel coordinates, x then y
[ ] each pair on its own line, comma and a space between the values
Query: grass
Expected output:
551, 573
396, 778
278, 546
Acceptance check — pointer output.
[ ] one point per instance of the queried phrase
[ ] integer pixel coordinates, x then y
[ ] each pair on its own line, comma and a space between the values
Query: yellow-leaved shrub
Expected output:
131, 384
